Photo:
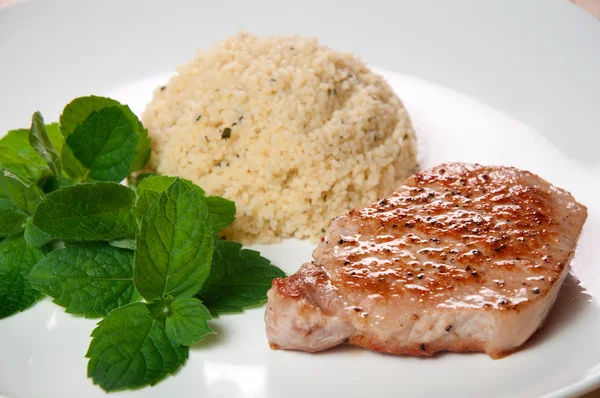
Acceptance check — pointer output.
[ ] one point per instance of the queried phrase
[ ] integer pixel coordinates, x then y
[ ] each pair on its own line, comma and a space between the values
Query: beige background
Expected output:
592, 6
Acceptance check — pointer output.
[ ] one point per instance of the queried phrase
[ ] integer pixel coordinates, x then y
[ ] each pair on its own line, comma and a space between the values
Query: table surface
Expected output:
592, 6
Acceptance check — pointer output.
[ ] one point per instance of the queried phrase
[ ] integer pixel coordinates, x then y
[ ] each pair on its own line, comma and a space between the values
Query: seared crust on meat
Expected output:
460, 258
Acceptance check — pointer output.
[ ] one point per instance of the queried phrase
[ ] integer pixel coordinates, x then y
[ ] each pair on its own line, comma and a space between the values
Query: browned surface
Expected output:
460, 258
451, 230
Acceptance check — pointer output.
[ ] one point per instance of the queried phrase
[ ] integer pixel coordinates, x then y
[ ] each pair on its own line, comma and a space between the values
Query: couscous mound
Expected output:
294, 132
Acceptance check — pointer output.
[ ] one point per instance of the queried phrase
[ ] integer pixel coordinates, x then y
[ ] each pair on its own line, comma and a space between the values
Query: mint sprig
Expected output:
157, 239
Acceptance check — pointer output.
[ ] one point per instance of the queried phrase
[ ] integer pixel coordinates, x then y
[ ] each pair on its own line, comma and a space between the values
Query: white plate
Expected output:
509, 82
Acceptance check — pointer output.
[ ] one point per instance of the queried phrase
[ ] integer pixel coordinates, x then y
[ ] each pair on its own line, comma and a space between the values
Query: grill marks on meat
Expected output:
461, 258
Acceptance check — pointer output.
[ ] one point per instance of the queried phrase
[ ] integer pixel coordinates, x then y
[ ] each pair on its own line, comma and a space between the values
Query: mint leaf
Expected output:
175, 244
143, 149
186, 321
16, 260
99, 211
25, 195
40, 141
131, 349
12, 220
128, 244
79, 109
148, 190
18, 156
35, 236
159, 184
222, 212
23, 166
88, 281
105, 143
239, 278
55, 135
19, 141
143, 202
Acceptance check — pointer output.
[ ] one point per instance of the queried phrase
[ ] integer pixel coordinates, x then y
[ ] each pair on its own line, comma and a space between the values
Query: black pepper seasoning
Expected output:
423, 347
448, 328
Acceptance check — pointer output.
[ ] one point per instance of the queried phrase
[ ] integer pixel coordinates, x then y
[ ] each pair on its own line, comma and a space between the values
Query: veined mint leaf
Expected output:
19, 141
79, 110
143, 202
76, 111
105, 143
131, 349
187, 321
16, 260
18, 156
148, 190
88, 281
40, 141
239, 278
222, 212
25, 195
12, 220
159, 184
20, 164
174, 247
98, 211
35, 236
